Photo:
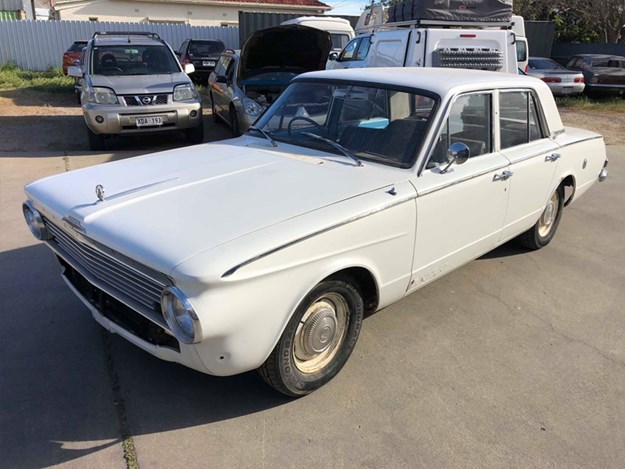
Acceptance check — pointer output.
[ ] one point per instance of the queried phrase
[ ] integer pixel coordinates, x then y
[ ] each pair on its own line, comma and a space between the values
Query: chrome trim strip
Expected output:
228, 273
464, 179
587, 139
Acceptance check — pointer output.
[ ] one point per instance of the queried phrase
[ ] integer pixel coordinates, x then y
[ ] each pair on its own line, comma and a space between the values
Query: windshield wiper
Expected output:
265, 134
336, 145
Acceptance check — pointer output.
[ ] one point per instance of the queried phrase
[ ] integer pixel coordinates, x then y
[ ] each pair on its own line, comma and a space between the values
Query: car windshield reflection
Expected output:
373, 123
132, 60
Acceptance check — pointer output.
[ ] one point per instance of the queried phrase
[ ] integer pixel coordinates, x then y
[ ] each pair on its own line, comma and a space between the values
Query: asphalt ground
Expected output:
514, 360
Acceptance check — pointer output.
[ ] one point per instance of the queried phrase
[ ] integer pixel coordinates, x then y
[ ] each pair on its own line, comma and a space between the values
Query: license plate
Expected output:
208, 63
567, 90
149, 121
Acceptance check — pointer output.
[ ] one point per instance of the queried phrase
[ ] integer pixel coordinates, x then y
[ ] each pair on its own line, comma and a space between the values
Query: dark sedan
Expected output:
203, 54
561, 81
602, 73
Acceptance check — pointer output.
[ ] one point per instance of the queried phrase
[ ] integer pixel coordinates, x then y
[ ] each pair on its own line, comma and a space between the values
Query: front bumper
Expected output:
117, 119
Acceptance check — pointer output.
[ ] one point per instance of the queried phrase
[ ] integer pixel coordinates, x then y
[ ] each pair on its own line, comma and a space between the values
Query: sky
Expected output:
346, 7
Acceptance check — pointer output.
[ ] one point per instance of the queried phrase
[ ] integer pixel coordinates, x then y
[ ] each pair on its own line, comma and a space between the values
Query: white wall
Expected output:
145, 12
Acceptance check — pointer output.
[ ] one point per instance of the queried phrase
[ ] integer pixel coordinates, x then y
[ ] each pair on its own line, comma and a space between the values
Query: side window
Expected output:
229, 66
348, 53
518, 118
469, 122
363, 49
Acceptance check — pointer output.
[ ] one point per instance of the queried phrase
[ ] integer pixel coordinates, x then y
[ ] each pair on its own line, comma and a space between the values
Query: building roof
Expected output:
287, 3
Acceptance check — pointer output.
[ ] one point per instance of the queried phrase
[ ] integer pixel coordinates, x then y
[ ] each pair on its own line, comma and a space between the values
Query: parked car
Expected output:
243, 85
561, 81
132, 83
353, 190
602, 73
71, 56
203, 54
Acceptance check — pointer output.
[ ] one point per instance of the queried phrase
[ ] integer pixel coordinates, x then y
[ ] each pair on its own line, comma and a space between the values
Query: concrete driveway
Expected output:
515, 360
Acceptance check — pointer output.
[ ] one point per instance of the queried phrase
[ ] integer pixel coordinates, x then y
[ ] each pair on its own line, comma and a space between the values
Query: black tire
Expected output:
234, 122
96, 141
215, 116
195, 135
318, 339
539, 235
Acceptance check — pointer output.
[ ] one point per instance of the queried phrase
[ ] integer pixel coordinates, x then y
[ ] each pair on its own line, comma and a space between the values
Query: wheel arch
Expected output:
568, 182
366, 282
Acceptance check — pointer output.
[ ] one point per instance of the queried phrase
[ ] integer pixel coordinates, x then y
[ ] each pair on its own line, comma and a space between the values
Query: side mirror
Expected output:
221, 79
189, 68
457, 153
333, 56
75, 72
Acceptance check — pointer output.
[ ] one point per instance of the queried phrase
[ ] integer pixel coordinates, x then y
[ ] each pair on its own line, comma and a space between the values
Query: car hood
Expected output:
141, 84
288, 47
164, 208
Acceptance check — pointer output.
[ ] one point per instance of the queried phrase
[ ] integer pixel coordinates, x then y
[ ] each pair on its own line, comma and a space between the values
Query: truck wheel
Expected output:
318, 339
539, 235
195, 135
96, 141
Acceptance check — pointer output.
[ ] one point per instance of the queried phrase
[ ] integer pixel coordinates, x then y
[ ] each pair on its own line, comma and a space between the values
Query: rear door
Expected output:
533, 157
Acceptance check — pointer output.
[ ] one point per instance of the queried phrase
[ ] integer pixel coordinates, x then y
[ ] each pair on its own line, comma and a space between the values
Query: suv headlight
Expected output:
180, 316
184, 92
251, 107
100, 95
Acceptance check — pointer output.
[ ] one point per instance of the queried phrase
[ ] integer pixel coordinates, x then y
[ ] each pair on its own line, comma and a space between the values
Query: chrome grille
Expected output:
112, 275
145, 100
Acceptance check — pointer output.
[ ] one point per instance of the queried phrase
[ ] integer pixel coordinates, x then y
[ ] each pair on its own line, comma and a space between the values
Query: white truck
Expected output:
474, 43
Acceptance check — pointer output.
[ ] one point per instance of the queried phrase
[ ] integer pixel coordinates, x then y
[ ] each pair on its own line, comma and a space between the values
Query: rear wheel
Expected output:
318, 339
96, 141
545, 228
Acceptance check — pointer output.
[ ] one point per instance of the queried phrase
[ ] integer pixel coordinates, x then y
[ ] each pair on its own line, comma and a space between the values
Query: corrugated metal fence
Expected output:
39, 45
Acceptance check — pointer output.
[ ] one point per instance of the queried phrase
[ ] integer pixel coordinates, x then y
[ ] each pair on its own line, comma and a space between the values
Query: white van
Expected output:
340, 29
522, 49
415, 46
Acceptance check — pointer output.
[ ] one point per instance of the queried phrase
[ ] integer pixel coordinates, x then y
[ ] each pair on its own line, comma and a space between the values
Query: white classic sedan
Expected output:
355, 189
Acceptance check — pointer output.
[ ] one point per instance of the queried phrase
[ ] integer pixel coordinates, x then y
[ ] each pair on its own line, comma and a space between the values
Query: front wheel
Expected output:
195, 135
539, 235
96, 141
318, 339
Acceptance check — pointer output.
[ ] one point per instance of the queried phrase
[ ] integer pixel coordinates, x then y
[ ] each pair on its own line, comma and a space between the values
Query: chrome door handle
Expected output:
503, 176
552, 157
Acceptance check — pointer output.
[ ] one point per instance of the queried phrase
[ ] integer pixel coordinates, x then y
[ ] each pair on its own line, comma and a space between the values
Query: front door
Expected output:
461, 210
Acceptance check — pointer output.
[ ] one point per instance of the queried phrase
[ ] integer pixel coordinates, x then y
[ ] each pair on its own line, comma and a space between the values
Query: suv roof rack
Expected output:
126, 34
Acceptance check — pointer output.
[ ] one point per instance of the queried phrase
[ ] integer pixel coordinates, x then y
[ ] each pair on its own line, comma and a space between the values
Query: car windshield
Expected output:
370, 122
206, 48
132, 59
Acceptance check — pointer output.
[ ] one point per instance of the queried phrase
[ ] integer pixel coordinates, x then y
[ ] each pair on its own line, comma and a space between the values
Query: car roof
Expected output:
599, 56
206, 40
439, 80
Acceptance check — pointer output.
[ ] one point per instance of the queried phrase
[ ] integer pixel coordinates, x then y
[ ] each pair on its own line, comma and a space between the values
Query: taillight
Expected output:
527, 67
551, 79
579, 80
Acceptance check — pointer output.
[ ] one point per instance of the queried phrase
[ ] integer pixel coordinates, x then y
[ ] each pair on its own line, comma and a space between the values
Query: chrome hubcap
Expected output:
549, 215
320, 333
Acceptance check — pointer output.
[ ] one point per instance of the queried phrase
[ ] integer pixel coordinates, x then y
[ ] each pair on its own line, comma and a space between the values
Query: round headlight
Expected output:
35, 221
180, 316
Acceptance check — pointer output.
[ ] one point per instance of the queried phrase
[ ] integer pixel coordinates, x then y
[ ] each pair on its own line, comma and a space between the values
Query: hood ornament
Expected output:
100, 192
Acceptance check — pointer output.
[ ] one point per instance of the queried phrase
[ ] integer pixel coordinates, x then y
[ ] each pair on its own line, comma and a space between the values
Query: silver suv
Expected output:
132, 83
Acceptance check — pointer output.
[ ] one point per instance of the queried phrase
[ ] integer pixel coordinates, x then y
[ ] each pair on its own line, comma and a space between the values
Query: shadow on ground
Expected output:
57, 396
